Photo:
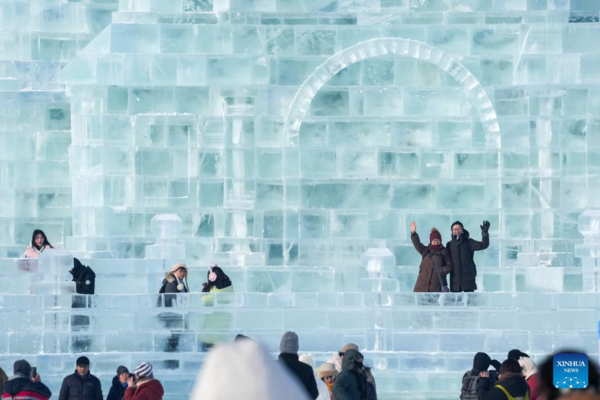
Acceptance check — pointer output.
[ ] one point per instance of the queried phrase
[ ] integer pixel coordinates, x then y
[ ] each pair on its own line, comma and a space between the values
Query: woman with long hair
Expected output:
217, 321
39, 243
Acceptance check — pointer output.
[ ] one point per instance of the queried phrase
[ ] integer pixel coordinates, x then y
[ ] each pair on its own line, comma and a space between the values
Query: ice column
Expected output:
54, 266
589, 252
166, 228
380, 264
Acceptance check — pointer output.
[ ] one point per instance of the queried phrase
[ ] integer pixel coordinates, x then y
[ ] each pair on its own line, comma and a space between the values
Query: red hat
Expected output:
435, 234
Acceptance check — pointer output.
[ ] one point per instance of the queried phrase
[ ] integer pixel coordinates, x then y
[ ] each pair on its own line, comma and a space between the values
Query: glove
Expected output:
485, 227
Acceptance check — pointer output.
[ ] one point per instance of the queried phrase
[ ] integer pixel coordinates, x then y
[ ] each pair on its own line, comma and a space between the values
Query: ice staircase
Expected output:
419, 345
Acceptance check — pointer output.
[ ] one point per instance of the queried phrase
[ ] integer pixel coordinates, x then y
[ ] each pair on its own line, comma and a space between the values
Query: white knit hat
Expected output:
143, 370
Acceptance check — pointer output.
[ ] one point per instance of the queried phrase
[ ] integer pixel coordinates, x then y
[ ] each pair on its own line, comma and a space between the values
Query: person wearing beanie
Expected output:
351, 383
462, 249
289, 347
532, 377
481, 362
81, 385
119, 384
510, 384
24, 387
143, 386
435, 262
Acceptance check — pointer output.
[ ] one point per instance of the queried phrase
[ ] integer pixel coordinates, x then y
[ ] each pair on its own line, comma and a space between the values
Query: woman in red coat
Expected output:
435, 264
532, 377
143, 386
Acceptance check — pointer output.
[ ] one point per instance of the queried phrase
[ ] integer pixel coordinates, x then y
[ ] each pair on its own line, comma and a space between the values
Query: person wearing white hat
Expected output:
328, 374
143, 386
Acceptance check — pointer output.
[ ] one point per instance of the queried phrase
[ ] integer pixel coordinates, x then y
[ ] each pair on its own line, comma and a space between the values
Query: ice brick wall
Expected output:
181, 107
38, 38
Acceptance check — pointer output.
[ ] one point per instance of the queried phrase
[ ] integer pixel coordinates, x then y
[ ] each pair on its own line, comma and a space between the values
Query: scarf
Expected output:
329, 386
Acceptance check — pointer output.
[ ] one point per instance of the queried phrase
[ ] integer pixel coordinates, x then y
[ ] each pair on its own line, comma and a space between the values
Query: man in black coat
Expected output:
81, 385
462, 249
510, 382
289, 347
21, 385
84, 278
351, 383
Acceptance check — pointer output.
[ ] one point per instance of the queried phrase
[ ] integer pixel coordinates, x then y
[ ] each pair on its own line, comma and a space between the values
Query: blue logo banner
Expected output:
571, 371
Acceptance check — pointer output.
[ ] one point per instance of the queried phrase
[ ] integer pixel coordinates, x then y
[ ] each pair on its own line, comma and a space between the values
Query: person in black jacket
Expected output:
84, 278
175, 282
21, 386
81, 385
85, 285
510, 381
289, 347
351, 383
119, 384
481, 362
462, 248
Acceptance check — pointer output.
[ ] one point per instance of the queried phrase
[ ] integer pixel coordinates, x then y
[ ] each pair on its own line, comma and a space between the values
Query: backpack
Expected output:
509, 397
469, 387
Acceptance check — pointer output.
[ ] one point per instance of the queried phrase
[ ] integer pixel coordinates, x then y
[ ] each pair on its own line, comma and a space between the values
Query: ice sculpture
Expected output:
292, 142
54, 266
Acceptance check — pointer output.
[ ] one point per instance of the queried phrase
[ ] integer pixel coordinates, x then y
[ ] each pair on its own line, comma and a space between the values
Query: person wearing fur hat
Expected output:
481, 362
462, 249
289, 347
435, 264
328, 374
175, 282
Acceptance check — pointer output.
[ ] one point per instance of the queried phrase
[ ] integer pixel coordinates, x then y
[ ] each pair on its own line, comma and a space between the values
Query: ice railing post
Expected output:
54, 266
380, 264
166, 228
589, 251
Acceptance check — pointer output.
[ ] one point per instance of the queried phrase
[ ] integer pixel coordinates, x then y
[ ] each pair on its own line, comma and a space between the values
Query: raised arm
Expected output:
485, 238
416, 241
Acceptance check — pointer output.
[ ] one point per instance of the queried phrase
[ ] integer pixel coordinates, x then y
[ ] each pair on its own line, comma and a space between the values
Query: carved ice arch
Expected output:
391, 46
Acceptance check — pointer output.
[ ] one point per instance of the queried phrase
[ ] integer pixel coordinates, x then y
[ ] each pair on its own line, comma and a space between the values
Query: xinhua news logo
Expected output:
571, 371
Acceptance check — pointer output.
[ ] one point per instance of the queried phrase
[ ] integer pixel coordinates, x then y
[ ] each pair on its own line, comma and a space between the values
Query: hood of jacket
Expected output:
15, 384
257, 376
79, 271
481, 362
516, 385
117, 383
169, 277
351, 357
153, 386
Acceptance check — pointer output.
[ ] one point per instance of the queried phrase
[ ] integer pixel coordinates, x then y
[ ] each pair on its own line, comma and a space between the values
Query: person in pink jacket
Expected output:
39, 243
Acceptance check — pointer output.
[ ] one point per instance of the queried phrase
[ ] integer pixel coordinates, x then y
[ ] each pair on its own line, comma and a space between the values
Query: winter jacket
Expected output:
117, 390
515, 385
303, 372
77, 387
171, 287
20, 387
3, 379
350, 384
464, 271
149, 390
32, 252
428, 279
217, 321
534, 386
84, 278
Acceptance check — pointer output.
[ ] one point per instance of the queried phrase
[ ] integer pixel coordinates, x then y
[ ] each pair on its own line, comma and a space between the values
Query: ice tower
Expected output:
293, 142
